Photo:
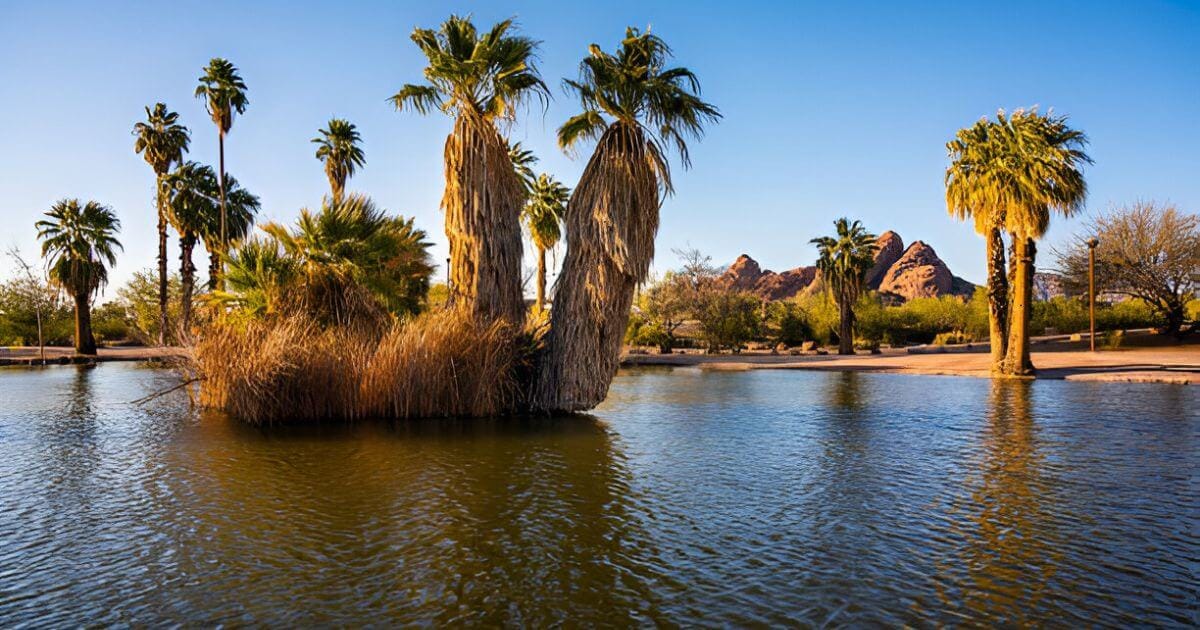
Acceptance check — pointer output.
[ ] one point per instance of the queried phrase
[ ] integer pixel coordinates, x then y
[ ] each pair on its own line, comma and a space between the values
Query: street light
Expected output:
1092, 243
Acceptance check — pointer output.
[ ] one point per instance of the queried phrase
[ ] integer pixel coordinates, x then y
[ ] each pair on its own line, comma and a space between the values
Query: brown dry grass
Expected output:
288, 368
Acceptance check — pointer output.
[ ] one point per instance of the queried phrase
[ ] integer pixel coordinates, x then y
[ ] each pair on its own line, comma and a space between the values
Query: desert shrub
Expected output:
728, 319
952, 338
291, 367
822, 315
1193, 311
1112, 339
789, 324
1070, 315
139, 297
109, 323
19, 299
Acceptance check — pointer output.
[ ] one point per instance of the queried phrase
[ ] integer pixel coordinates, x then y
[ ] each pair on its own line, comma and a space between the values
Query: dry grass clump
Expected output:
289, 368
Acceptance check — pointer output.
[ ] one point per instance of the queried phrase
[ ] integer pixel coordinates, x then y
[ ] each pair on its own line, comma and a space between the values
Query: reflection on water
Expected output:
689, 497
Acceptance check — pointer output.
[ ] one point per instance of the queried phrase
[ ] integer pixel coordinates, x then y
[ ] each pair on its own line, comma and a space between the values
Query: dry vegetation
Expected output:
440, 364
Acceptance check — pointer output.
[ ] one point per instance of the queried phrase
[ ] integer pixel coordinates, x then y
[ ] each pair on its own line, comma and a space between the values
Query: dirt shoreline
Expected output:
1176, 364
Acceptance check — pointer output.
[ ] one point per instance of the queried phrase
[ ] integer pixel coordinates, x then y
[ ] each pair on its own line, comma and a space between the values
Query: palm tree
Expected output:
338, 149
240, 209
224, 94
544, 214
354, 241
844, 261
191, 209
480, 79
523, 160
162, 141
256, 273
634, 106
977, 189
1013, 173
79, 243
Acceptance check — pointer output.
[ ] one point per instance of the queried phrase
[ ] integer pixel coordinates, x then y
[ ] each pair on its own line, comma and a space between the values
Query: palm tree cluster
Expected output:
1008, 176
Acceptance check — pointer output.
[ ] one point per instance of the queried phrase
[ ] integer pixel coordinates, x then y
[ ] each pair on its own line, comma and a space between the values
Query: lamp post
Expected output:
1092, 243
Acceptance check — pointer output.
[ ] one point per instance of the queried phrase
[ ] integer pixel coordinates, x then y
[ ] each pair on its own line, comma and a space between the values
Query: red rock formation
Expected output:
891, 248
745, 274
920, 273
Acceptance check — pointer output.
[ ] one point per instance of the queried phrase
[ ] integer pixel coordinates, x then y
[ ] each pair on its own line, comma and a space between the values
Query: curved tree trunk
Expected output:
997, 296
611, 222
85, 342
162, 265
1017, 361
187, 272
541, 280
483, 201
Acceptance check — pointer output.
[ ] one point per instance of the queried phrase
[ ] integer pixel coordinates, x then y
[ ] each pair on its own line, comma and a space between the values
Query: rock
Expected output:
745, 274
919, 273
891, 248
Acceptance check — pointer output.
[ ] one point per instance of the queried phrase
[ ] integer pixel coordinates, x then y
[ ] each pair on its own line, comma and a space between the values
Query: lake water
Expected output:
689, 497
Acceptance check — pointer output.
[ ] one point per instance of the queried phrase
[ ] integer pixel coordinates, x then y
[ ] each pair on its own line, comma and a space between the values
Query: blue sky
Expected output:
831, 109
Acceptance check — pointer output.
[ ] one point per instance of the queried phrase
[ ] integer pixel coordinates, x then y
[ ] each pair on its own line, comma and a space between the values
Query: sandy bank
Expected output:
1167, 364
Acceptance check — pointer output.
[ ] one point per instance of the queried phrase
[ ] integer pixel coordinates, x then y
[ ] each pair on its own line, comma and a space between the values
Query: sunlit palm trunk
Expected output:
611, 222
1017, 361
162, 265
85, 342
541, 280
219, 281
187, 271
483, 201
997, 295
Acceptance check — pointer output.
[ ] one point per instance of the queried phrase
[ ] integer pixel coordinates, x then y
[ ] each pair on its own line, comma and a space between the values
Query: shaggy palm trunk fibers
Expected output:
611, 222
997, 294
483, 205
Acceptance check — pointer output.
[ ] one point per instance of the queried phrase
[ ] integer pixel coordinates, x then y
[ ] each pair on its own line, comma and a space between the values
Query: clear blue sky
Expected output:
830, 109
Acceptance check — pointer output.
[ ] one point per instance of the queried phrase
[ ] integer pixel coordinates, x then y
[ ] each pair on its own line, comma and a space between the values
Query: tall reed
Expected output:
291, 367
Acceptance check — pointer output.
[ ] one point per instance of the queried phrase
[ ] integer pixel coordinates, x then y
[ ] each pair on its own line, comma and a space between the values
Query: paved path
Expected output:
28, 356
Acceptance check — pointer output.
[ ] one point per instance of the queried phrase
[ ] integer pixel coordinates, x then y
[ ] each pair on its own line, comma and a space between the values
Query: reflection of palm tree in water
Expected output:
502, 522
1011, 555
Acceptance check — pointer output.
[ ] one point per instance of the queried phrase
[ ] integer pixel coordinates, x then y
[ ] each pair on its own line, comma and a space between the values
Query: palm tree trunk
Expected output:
214, 270
1017, 361
220, 281
845, 325
541, 279
997, 296
483, 201
162, 265
611, 222
187, 271
85, 342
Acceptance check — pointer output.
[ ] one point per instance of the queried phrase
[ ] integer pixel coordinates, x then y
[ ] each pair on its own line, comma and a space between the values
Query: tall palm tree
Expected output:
523, 160
1012, 173
190, 209
79, 243
978, 189
162, 141
481, 79
224, 94
240, 209
338, 149
634, 106
844, 260
544, 214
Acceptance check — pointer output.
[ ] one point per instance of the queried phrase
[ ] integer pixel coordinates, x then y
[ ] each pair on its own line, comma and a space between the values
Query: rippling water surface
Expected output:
763, 497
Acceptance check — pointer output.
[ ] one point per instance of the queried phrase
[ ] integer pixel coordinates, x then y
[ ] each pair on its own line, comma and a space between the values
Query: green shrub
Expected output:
790, 324
952, 338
